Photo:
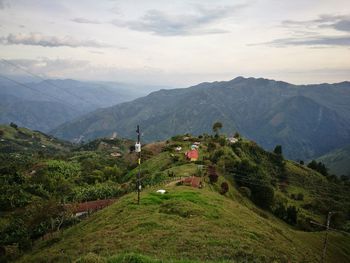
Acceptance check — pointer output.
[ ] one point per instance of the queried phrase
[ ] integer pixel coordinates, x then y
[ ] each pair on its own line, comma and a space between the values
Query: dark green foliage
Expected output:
222, 141
213, 176
224, 188
280, 211
13, 125
319, 167
211, 146
262, 195
216, 127
298, 197
216, 155
245, 191
291, 215
278, 150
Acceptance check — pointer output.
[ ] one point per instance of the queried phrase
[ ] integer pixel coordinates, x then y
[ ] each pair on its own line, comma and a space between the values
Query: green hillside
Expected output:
338, 161
192, 224
14, 139
263, 213
254, 205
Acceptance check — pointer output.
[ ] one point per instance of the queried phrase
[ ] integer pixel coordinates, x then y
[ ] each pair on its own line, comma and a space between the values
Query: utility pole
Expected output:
138, 150
326, 236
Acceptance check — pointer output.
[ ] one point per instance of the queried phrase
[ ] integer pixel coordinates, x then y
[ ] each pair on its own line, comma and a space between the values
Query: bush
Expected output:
300, 197
13, 125
292, 214
217, 154
262, 195
245, 191
278, 150
213, 177
224, 188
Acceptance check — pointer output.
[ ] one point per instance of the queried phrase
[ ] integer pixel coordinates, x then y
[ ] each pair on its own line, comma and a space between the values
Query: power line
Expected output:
42, 93
45, 80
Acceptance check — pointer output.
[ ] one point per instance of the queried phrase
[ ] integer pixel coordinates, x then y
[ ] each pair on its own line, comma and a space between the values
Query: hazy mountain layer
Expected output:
47, 104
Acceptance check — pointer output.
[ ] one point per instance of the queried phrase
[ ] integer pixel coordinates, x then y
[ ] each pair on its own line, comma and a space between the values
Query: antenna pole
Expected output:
139, 163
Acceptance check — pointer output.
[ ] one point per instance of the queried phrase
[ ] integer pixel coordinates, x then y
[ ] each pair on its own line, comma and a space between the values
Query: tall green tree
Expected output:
216, 127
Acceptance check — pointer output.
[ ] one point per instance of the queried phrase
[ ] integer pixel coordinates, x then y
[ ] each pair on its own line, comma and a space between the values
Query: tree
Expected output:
216, 127
236, 135
13, 125
278, 150
319, 167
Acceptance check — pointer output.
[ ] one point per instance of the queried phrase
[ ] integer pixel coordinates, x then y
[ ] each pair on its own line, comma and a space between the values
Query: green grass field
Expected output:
190, 225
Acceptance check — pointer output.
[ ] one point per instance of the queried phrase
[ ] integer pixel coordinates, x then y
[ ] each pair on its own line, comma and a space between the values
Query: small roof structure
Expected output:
192, 181
192, 155
178, 148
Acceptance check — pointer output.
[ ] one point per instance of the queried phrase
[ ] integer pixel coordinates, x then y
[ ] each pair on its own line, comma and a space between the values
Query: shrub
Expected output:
217, 154
262, 195
292, 214
224, 188
222, 141
13, 125
211, 146
213, 177
245, 191
300, 197
278, 150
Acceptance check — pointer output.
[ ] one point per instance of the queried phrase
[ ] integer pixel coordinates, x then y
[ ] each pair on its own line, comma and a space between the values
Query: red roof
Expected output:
193, 181
193, 154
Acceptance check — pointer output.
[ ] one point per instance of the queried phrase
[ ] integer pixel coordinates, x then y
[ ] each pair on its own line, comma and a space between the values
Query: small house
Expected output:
232, 139
192, 155
116, 154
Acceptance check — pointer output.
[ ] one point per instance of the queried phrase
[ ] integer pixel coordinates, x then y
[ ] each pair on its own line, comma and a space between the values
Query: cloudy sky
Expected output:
177, 43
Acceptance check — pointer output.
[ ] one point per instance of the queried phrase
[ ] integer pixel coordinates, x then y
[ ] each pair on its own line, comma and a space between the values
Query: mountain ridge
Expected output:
246, 105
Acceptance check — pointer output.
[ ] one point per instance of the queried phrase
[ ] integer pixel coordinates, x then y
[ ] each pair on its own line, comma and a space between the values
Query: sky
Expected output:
177, 43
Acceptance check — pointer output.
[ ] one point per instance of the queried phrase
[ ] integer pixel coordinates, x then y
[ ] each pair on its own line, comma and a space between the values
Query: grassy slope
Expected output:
193, 224
22, 139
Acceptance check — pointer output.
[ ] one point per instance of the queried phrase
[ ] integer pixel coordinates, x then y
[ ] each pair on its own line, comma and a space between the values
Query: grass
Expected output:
187, 225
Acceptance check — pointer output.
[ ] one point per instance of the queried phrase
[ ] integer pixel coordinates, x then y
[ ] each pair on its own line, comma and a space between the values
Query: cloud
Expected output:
312, 41
337, 22
343, 25
163, 24
4, 4
82, 20
37, 39
311, 32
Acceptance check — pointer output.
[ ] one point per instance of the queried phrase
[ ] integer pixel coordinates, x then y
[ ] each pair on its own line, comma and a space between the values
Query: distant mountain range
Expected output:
307, 120
45, 105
